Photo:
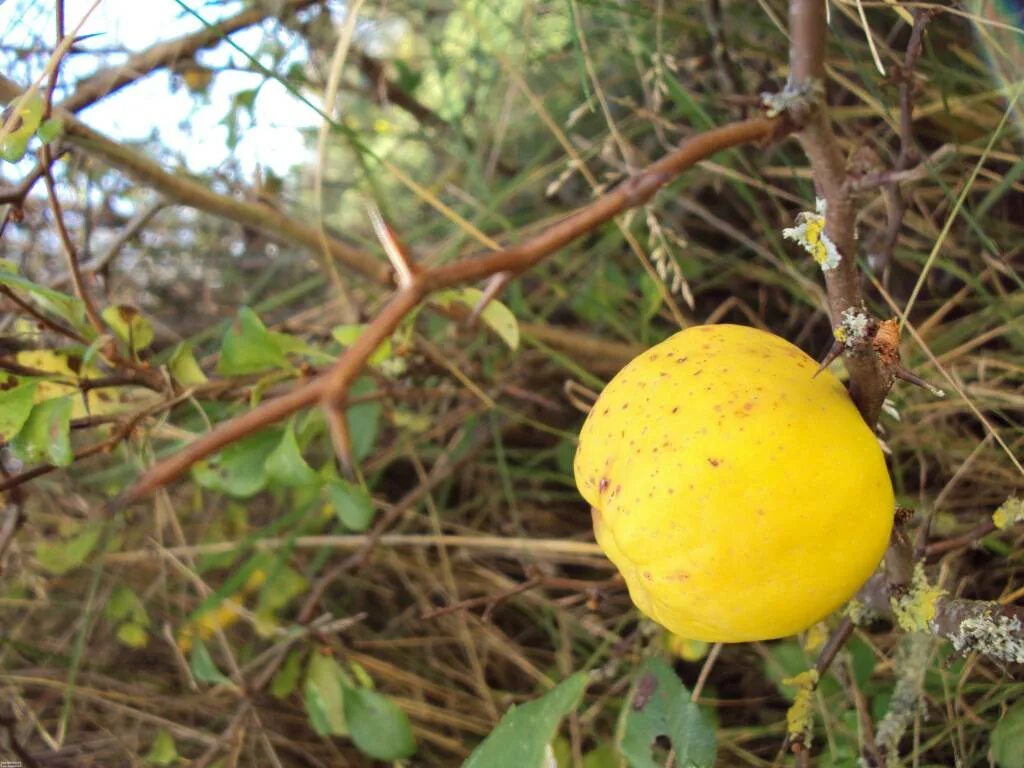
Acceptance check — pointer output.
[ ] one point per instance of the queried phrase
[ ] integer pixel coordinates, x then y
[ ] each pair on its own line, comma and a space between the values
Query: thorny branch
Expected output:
332, 386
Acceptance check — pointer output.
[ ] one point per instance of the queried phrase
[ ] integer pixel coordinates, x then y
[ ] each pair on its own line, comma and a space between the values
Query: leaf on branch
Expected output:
495, 315
15, 406
239, 470
183, 367
129, 325
351, 504
45, 435
285, 464
248, 347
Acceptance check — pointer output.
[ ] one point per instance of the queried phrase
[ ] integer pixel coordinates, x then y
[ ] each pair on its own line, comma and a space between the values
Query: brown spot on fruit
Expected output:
679, 576
603, 485
714, 462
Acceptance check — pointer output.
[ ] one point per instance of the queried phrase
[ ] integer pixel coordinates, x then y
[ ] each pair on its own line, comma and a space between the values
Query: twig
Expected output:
39, 317
108, 81
895, 202
46, 154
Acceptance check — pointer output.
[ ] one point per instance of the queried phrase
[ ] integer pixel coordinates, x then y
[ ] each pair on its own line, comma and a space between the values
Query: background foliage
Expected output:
269, 610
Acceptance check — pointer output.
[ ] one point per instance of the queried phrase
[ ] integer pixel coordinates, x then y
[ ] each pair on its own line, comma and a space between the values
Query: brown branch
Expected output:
70, 252
108, 81
181, 189
332, 386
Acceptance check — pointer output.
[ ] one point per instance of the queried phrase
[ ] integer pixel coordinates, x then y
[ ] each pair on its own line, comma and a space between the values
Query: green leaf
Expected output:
495, 316
603, 756
287, 676
346, 335
203, 667
282, 585
521, 739
660, 705
45, 435
163, 751
132, 635
184, 368
239, 470
129, 325
324, 696
1006, 745
61, 556
363, 420
379, 729
247, 347
286, 465
15, 407
125, 605
351, 504
50, 129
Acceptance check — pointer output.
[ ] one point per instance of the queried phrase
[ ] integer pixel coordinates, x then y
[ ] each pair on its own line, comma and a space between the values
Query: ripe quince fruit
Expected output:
741, 497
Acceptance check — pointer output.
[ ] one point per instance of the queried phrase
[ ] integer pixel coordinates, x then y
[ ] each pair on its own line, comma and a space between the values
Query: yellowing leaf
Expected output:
324, 696
495, 315
66, 368
163, 751
132, 635
129, 325
184, 368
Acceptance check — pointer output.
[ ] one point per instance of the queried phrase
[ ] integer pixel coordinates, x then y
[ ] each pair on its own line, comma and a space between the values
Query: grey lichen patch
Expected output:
911, 663
852, 328
995, 636
798, 101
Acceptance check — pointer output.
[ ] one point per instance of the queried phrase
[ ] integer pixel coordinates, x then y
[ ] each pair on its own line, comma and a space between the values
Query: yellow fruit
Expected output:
740, 497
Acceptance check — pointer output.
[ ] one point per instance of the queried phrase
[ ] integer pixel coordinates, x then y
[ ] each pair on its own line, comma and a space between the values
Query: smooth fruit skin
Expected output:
740, 497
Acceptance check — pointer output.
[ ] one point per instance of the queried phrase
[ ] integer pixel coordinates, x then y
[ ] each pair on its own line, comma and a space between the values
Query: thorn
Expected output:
835, 351
912, 378
397, 253
491, 291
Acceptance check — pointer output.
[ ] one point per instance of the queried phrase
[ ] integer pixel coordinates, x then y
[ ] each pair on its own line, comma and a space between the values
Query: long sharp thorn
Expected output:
835, 351
913, 378
397, 254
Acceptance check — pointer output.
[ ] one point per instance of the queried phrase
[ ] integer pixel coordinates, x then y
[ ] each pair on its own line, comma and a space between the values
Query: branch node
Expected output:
798, 102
